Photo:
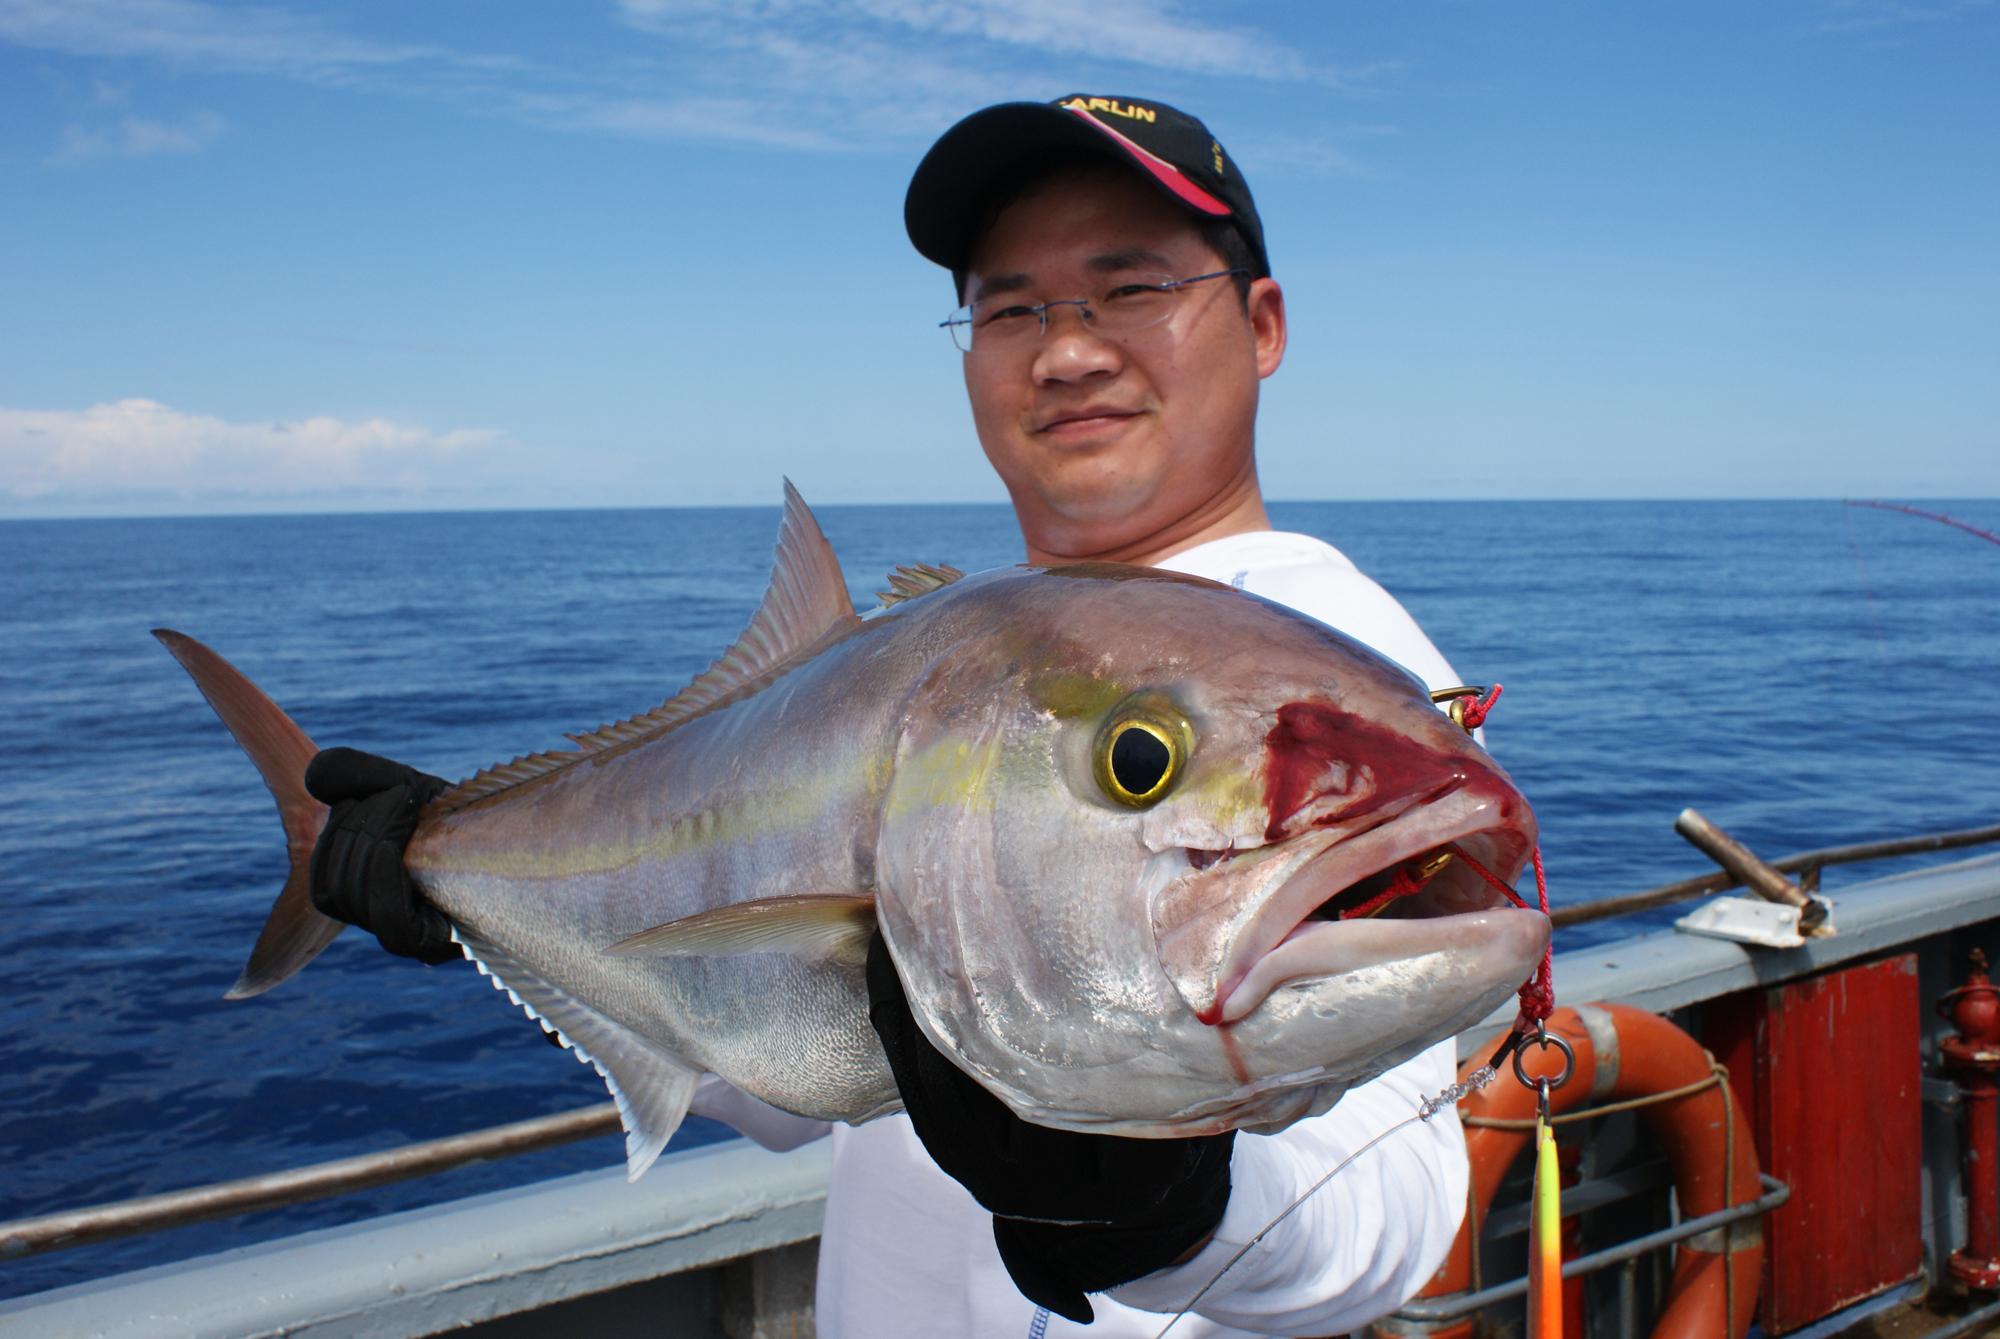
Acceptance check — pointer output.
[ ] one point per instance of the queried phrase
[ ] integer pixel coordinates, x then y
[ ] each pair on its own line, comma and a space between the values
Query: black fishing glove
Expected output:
1072, 1213
357, 871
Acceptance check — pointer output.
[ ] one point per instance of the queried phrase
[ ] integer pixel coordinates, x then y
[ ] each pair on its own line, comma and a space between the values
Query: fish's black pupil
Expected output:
1139, 760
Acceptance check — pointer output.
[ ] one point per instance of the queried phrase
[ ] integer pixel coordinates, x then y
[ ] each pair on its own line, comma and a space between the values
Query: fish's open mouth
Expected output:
1326, 902
1369, 896
1373, 895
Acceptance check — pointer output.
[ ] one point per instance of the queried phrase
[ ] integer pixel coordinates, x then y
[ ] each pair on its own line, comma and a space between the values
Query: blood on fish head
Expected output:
1324, 765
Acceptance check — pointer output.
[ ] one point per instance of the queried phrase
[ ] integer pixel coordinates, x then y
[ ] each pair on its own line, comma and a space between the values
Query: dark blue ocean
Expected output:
1803, 672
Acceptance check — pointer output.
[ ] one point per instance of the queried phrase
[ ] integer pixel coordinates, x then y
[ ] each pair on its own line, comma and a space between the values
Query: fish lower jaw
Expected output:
1341, 909
1326, 949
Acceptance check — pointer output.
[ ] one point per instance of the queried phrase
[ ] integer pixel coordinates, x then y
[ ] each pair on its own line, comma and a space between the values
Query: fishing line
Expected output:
1449, 1095
1937, 516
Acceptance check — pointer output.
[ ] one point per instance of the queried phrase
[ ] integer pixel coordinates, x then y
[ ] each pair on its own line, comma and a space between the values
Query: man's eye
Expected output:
1131, 292
1003, 314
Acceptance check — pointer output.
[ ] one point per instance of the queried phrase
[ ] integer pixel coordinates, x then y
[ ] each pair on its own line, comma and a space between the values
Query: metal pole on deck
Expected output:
1750, 870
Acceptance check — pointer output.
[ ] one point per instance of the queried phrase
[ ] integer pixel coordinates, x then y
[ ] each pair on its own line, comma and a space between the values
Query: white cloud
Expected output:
250, 38
1153, 35
874, 73
813, 74
141, 449
138, 137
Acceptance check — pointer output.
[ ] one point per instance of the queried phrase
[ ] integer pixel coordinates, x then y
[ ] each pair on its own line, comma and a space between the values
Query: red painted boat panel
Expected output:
1828, 1070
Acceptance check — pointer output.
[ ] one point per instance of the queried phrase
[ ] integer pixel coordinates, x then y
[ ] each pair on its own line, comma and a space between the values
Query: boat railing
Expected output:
1460, 1305
224, 1199
149, 1213
1807, 864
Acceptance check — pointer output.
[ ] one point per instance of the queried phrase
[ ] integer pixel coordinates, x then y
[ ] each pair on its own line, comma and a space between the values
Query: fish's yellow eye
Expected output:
1138, 760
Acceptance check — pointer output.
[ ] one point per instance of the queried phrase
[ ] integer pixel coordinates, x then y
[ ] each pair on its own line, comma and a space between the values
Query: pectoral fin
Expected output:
833, 927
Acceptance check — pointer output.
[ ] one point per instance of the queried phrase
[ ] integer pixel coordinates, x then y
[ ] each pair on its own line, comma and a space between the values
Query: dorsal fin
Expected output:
913, 579
805, 605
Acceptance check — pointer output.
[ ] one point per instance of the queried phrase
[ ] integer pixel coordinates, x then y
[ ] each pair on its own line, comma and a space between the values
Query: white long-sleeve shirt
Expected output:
907, 1252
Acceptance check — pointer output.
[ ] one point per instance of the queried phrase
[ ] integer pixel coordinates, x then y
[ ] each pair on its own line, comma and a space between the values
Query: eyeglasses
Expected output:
1125, 308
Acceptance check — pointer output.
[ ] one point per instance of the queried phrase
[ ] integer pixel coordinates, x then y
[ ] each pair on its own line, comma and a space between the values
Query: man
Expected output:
1119, 316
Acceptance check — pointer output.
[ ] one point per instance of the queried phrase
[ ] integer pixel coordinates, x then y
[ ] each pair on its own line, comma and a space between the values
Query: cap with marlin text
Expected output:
953, 187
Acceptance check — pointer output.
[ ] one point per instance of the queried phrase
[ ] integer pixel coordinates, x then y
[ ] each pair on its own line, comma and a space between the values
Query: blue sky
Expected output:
640, 252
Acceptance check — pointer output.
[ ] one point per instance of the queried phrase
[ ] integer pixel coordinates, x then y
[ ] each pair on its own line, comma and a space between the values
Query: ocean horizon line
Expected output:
353, 513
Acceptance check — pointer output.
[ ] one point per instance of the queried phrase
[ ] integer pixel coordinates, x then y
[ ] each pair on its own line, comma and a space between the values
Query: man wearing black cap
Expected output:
1118, 316
1153, 454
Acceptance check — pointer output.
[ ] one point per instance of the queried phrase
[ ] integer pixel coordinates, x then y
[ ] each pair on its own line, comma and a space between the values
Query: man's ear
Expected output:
1267, 324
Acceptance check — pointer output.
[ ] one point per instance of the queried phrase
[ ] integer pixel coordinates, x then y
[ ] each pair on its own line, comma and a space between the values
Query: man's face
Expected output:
1109, 445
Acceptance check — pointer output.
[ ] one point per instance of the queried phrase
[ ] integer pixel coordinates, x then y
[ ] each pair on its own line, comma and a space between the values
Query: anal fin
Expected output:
651, 1085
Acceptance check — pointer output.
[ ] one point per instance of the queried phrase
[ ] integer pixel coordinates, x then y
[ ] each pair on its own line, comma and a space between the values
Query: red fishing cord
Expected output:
1538, 995
1473, 710
1405, 880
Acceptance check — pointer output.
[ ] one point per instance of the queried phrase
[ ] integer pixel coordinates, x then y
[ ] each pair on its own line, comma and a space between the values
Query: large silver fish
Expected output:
1125, 832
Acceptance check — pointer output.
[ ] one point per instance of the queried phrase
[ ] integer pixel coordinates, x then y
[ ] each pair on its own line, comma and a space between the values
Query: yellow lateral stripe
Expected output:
767, 813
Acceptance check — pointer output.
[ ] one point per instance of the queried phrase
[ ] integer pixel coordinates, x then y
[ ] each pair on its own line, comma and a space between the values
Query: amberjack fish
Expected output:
1128, 835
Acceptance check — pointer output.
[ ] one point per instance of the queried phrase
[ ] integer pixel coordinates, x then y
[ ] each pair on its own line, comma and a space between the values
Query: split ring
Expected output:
1544, 1038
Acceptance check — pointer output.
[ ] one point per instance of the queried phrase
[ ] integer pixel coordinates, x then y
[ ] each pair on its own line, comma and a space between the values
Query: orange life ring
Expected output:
1622, 1053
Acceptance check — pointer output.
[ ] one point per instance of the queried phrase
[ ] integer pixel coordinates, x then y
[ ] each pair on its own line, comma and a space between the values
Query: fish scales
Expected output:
777, 794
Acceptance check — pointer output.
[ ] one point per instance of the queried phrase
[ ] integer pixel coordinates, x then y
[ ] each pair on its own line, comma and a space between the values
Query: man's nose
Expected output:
1073, 349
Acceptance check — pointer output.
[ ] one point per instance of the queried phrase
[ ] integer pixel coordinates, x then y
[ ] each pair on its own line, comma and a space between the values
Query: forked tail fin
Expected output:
296, 931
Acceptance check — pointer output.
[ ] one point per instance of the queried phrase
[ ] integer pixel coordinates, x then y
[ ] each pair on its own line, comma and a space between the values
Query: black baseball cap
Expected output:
953, 185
